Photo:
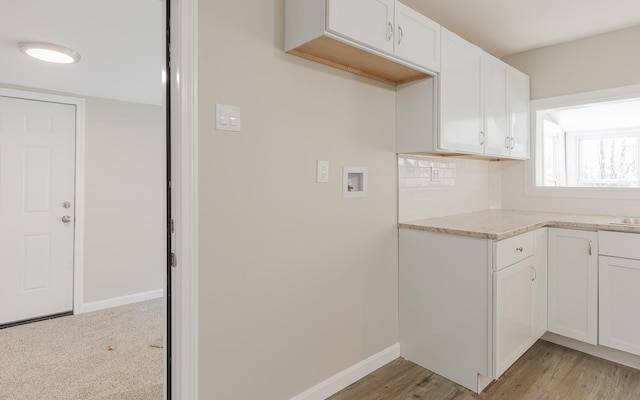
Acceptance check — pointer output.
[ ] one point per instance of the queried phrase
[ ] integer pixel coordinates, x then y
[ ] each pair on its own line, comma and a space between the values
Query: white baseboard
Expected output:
350, 375
617, 356
119, 301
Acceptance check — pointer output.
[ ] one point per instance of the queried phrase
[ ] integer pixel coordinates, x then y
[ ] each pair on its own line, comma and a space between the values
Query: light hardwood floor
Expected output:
546, 372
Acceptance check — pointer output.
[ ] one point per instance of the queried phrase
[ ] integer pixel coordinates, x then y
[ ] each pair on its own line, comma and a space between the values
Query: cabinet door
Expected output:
461, 113
513, 291
573, 284
620, 304
496, 124
519, 113
369, 22
540, 284
417, 38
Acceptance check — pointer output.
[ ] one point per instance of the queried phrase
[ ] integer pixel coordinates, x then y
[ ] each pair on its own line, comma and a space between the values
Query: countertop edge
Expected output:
522, 229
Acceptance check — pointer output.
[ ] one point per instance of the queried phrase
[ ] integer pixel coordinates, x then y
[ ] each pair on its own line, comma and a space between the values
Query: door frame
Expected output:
78, 237
184, 198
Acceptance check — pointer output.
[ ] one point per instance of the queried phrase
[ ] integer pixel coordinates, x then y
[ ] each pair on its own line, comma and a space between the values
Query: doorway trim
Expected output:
184, 199
78, 237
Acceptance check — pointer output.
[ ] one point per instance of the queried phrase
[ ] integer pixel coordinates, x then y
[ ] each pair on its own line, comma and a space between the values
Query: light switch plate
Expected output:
322, 171
227, 118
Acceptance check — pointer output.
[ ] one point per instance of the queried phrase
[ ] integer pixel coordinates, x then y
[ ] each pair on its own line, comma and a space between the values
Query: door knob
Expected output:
66, 219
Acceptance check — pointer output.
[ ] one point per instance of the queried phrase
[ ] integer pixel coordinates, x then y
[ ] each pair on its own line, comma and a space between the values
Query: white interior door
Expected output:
37, 150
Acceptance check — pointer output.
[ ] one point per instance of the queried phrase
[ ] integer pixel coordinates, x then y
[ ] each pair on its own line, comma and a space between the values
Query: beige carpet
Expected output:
114, 354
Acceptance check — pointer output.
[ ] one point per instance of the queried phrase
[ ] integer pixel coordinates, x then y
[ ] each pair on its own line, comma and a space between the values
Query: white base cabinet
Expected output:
619, 284
469, 307
573, 284
445, 304
520, 297
513, 313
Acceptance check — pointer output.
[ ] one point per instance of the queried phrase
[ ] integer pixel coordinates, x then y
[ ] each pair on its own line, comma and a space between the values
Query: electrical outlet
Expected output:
436, 173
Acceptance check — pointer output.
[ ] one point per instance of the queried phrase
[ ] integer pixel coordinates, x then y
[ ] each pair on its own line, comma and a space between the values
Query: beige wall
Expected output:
296, 283
600, 62
124, 250
124, 244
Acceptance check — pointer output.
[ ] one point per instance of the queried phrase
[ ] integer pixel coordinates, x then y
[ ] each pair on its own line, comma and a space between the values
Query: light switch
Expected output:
234, 118
227, 118
322, 171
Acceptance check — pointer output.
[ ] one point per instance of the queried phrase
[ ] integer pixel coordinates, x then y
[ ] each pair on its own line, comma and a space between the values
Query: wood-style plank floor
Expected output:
546, 372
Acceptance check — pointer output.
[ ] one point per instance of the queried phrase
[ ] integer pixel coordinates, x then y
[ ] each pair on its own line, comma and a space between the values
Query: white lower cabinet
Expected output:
513, 316
520, 299
469, 307
619, 285
573, 284
540, 283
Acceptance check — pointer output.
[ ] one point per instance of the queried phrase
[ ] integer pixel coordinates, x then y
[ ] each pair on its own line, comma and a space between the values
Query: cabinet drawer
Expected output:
619, 244
510, 251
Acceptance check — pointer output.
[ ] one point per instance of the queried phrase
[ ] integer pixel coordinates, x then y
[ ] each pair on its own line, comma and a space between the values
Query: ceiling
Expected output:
505, 27
121, 40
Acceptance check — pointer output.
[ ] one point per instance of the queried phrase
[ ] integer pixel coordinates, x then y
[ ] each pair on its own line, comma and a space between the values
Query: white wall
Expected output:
296, 282
600, 62
124, 199
124, 244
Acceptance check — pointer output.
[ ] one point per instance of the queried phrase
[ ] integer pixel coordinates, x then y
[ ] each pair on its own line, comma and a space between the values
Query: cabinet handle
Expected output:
507, 142
520, 249
534, 273
389, 31
590, 246
513, 142
482, 138
400, 34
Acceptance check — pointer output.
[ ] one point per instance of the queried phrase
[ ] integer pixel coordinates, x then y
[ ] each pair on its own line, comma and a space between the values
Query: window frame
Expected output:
533, 166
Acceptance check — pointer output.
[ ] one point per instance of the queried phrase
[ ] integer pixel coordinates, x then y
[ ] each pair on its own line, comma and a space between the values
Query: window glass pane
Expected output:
608, 162
553, 154
589, 145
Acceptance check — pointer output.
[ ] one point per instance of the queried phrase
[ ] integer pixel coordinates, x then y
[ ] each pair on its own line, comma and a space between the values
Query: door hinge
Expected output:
173, 259
173, 228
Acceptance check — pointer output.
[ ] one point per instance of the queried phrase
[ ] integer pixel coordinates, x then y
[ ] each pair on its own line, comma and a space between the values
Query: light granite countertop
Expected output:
501, 224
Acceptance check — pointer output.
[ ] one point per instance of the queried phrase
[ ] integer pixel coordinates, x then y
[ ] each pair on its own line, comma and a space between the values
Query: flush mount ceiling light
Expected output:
50, 52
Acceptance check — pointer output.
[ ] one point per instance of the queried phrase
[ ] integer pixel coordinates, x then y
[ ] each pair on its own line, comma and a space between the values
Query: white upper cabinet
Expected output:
417, 38
381, 39
369, 22
506, 110
496, 106
518, 114
461, 105
481, 106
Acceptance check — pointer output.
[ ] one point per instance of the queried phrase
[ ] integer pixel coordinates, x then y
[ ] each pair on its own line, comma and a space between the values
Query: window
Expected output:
593, 144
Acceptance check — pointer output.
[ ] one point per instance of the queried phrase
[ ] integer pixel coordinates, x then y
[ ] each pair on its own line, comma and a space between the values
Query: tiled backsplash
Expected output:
436, 186
416, 172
